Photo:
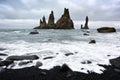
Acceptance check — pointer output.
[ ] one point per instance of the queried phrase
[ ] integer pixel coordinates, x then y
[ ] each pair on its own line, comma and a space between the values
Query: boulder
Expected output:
34, 32
23, 57
65, 22
24, 63
6, 63
86, 62
92, 42
2, 54
68, 54
50, 57
115, 62
65, 68
86, 34
106, 30
38, 64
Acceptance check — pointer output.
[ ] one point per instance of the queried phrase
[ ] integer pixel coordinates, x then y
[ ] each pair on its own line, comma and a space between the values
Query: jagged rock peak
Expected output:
44, 20
65, 22
66, 12
86, 23
51, 18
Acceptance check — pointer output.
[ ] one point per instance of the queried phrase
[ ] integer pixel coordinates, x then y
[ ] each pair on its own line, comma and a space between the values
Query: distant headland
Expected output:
65, 22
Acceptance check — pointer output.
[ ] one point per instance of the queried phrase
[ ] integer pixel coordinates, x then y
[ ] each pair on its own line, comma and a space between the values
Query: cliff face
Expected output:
65, 22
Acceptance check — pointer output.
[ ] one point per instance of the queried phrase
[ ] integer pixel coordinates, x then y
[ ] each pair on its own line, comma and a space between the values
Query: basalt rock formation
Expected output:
86, 23
65, 22
51, 23
106, 30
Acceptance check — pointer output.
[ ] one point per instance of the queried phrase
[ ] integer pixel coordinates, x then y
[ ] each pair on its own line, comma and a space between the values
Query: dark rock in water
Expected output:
115, 62
50, 57
86, 62
81, 26
65, 68
68, 54
1, 59
6, 63
38, 64
106, 30
2, 54
2, 49
34, 32
65, 22
86, 34
86, 23
108, 55
24, 63
92, 42
23, 57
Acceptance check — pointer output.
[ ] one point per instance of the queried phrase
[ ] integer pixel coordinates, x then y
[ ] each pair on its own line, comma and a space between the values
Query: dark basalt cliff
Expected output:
65, 22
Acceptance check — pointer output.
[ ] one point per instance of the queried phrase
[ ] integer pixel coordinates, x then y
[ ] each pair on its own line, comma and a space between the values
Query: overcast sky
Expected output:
97, 10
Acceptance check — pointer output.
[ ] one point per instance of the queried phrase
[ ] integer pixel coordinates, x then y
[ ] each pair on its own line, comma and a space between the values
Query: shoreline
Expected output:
58, 73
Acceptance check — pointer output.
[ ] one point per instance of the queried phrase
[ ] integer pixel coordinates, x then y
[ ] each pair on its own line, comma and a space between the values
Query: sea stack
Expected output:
43, 23
51, 23
86, 23
65, 22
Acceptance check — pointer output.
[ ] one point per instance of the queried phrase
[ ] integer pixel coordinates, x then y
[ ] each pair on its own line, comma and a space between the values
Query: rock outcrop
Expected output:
51, 23
43, 24
86, 23
106, 30
65, 22
23, 57
115, 62
92, 42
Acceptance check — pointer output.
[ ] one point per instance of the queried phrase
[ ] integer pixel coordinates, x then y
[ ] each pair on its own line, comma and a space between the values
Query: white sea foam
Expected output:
96, 53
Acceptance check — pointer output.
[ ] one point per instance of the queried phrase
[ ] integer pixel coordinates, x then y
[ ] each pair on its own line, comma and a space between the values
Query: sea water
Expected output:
57, 43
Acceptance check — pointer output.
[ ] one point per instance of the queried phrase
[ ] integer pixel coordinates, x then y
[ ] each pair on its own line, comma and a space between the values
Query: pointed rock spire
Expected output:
65, 22
43, 22
66, 13
86, 23
51, 23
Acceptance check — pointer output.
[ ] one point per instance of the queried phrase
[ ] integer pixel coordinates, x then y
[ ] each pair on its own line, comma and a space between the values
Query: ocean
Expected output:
57, 43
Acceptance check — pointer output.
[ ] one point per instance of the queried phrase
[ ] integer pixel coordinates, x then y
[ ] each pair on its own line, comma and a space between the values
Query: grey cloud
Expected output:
35, 9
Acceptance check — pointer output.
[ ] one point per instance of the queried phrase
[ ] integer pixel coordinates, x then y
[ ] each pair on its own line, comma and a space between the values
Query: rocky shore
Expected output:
63, 72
